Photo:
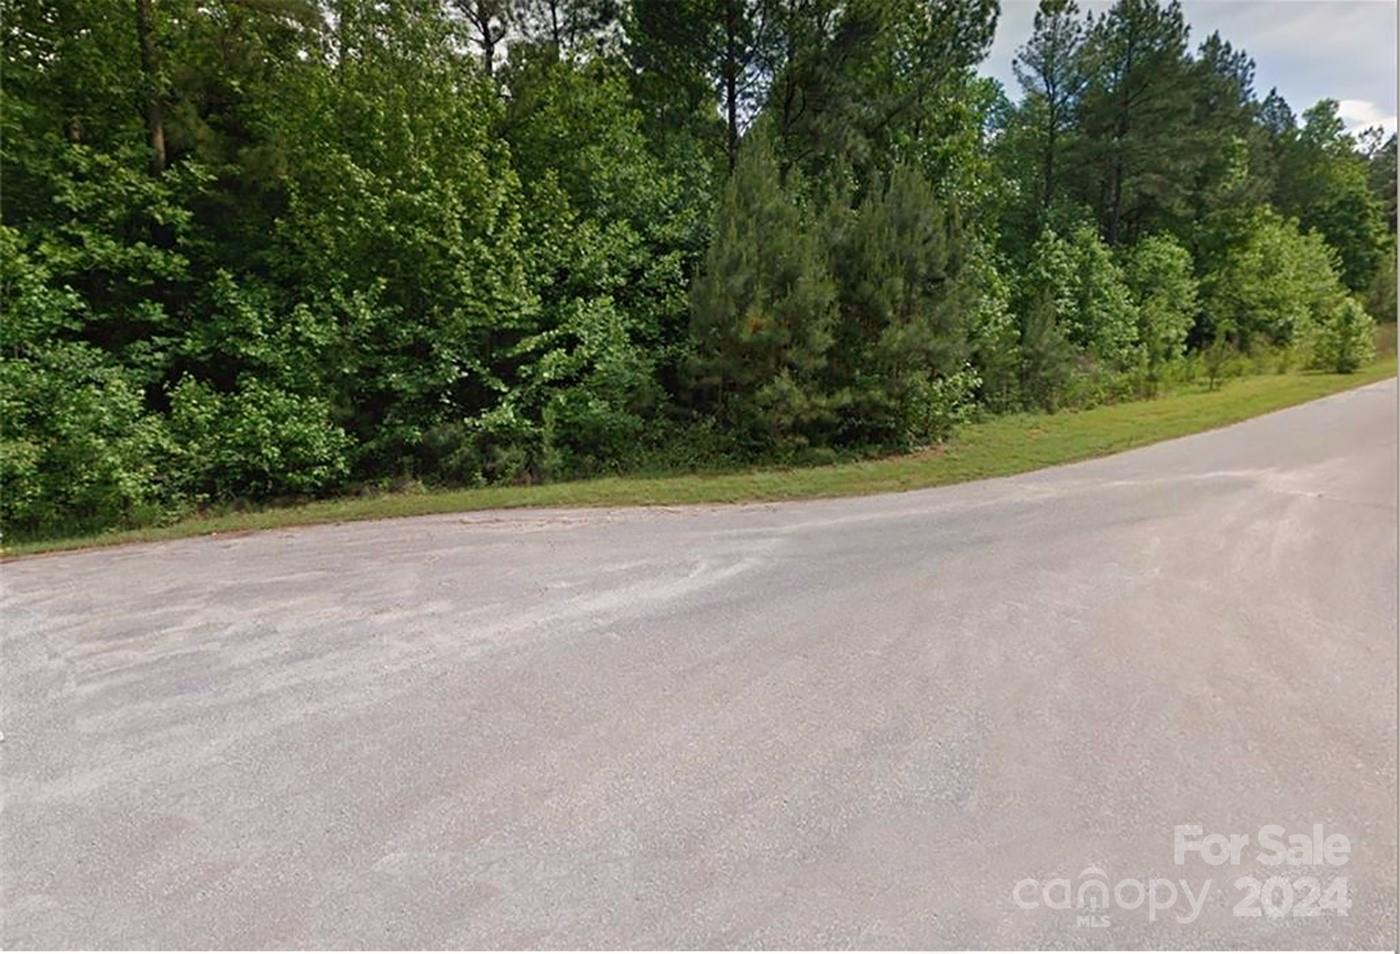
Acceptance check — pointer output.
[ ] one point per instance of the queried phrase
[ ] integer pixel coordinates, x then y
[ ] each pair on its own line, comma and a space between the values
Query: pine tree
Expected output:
1136, 116
1046, 297
762, 307
902, 310
1050, 69
1045, 354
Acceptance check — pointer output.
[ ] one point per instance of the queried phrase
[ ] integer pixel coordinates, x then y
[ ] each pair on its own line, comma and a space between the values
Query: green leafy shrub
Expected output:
993, 336
1103, 319
1273, 284
578, 408
937, 407
1159, 273
77, 450
257, 441
1345, 339
1092, 384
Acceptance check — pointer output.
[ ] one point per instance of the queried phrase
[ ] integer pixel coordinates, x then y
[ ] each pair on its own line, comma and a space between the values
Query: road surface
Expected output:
882, 722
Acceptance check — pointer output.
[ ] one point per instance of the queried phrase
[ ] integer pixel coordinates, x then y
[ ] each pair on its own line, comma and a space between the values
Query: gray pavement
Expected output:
860, 722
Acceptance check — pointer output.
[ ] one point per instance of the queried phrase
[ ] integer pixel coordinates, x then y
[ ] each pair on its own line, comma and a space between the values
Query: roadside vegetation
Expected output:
408, 256
996, 446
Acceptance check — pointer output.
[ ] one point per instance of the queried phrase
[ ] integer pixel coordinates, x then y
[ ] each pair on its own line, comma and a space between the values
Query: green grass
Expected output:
996, 447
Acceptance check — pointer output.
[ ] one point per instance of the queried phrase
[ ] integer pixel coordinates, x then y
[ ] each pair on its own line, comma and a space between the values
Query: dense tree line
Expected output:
255, 249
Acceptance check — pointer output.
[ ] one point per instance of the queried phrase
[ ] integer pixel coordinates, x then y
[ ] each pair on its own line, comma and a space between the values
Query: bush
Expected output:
77, 451
1103, 320
936, 408
1160, 276
1093, 384
1222, 361
1273, 284
1045, 354
1345, 339
256, 442
590, 387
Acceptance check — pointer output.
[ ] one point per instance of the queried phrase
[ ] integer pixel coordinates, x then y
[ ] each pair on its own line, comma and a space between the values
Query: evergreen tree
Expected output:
1136, 116
1379, 152
1331, 194
762, 307
869, 84
1050, 68
710, 47
903, 311
1046, 356
1046, 298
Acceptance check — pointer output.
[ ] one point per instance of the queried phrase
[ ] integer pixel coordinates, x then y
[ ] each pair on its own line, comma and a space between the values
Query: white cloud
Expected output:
1359, 114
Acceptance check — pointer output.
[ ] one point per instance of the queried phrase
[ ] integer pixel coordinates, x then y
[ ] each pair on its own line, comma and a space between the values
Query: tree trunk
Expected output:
1115, 204
150, 74
1120, 136
1115, 209
488, 47
731, 80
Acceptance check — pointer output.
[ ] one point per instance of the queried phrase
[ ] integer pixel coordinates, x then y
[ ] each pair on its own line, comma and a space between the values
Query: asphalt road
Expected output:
876, 722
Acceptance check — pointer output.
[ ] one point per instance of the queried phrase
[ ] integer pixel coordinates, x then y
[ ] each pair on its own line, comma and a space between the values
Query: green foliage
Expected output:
273, 249
1050, 273
1103, 318
77, 450
257, 440
1162, 282
993, 333
1075, 287
762, 308
1045, 299
1216, 357
1272, 286
1051, 68
903, 306
1380, 297
1345, 338
578, 408
1135, 106
1324, 182
867, 85
1046, 356
36, 307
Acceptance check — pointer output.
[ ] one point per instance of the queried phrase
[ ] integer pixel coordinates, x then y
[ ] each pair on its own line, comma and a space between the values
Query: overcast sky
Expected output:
1309, 49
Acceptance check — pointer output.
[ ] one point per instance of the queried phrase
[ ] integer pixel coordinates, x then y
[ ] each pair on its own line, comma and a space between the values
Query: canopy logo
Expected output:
1094, 899
1290, 884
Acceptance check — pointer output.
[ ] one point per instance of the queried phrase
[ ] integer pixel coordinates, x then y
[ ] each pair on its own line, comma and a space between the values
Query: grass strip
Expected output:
995, 447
